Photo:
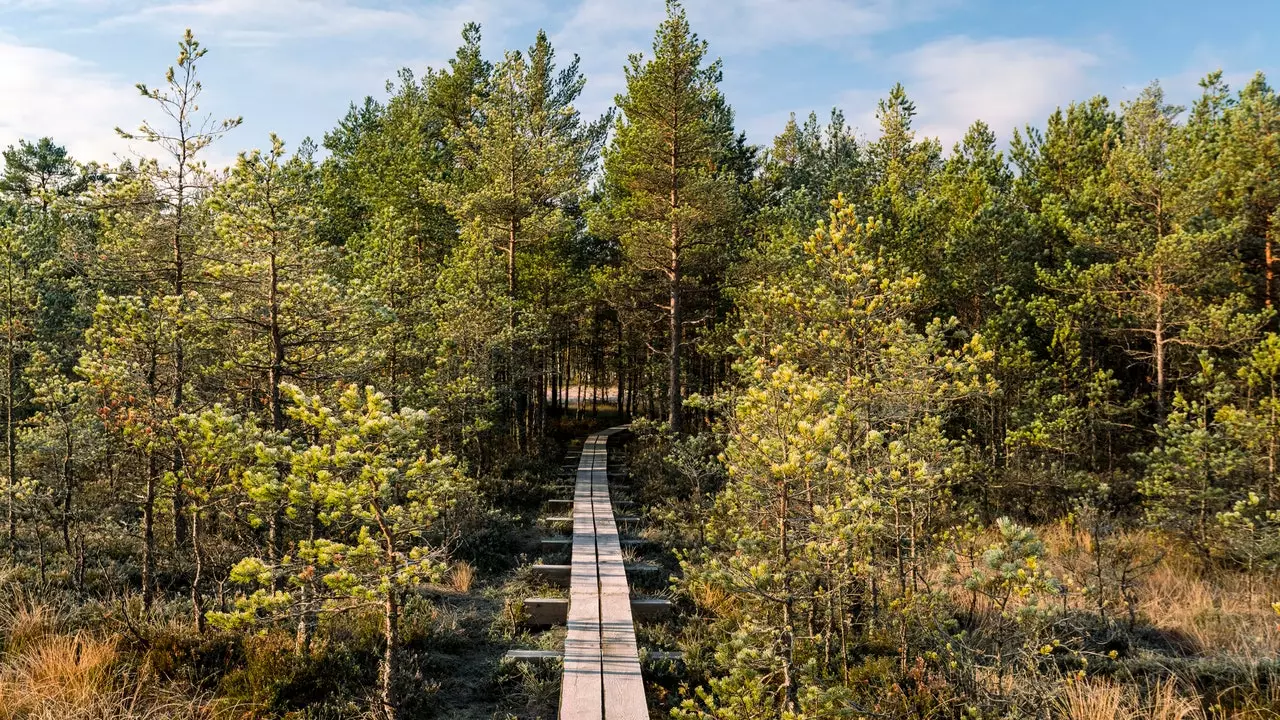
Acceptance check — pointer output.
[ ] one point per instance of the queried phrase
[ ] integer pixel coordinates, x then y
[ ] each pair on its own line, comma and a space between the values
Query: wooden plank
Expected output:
557, 543
598, 591
581, 692
544, 611
535, 655
557, 575
624, 697
647, 610
652, 656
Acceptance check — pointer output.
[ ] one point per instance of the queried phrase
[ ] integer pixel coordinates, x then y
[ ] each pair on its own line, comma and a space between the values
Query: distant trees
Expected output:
522, 164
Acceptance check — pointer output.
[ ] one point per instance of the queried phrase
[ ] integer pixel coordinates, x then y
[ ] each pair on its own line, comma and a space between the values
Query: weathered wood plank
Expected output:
581, 692
624, 697
598, 593
536, 655
544, 612
650, 609
558, 575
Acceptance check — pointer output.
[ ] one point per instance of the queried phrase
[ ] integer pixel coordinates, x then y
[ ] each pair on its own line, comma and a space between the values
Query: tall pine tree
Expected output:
666, 198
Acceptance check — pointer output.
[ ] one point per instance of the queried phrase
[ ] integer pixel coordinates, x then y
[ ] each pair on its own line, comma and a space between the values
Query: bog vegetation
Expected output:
922, 432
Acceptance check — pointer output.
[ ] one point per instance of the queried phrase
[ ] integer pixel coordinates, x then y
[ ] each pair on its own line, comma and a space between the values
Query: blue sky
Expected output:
67, 67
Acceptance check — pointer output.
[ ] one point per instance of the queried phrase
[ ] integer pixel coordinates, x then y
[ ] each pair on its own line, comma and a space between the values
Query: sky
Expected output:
68, 67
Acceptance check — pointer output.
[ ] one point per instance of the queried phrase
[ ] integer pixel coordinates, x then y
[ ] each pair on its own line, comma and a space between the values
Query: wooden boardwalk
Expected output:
602, 679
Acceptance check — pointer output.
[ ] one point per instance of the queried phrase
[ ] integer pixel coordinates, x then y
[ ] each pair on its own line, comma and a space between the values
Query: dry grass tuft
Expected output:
67, 676
1166, 703
80, 677
25, 623
1088, 700
1103, 700
712, 598
1216, 613
462, 576
1219, 615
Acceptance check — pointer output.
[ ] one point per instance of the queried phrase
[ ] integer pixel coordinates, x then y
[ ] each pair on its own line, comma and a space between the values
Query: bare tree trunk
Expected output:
11, 392
307, 617
676, 323
788, 629
275, 378
1160, 360
391, 647
68, 487
197, 599
179, 351
675, 396
149, 533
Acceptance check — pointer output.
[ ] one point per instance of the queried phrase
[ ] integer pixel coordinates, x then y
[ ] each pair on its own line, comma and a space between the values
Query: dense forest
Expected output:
988, 431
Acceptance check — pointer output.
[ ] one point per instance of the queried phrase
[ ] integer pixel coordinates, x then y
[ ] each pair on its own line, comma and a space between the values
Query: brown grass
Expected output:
1087, 700
1167, 703
26, 623
1213, 613
1103, 700
63, 674
49, 676
1219, 614
462, 576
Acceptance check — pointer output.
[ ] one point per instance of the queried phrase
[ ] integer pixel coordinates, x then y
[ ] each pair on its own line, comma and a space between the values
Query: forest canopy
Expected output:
987, 431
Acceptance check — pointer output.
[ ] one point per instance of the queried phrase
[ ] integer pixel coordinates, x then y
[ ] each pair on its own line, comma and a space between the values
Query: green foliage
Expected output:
669, 197
838, 465
942, 426
373, 481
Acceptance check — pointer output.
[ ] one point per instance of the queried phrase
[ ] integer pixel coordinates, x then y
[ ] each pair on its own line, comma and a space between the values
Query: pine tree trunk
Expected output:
1159, 342
68, 487
179, 352
302, 640
307, 616
675, 396
275, 378
149, 533
1270, 270
788, 622
391, 647
11, 390
197, 599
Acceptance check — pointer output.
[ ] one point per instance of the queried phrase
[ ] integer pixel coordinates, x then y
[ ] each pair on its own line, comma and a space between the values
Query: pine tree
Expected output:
59, 441
523, 163
379, 201
667, 200
1193, 470
17, 297
42, 182
157, 241
281, 313
42, 172
903, 171
1250, 158
807, 166
837, 457
382, 488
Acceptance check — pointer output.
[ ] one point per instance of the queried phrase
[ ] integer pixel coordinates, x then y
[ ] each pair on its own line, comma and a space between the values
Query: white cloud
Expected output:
49, 93
745, 26
1004, 82
605, 32
255, 23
